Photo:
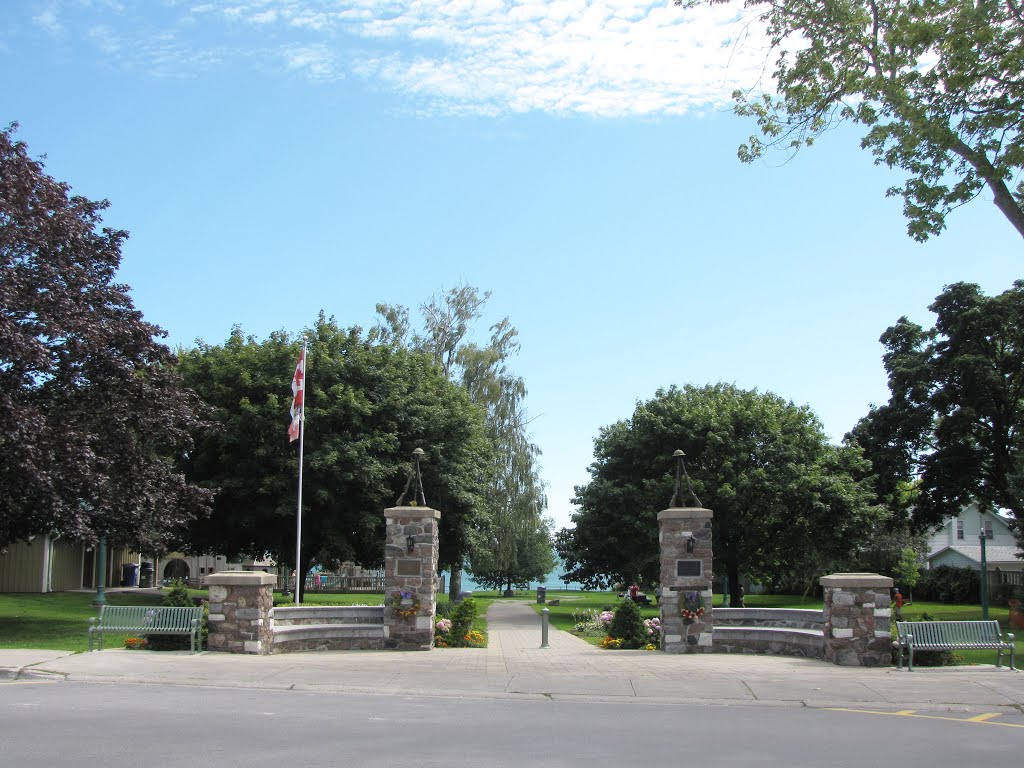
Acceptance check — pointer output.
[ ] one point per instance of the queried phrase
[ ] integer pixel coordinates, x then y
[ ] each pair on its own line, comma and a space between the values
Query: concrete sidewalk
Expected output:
514, 665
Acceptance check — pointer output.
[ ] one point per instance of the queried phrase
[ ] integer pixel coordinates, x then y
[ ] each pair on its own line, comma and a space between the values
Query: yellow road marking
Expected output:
985, 719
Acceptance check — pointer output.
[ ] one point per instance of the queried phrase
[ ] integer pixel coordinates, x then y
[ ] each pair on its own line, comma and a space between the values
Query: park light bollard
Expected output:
544, 628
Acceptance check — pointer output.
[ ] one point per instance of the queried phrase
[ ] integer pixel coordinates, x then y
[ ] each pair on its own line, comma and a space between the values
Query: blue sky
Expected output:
273, 158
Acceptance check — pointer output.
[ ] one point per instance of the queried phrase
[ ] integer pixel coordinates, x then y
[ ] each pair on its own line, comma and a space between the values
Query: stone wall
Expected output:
857, 619
240, 606
785, 618
329, 628
410, 568
684, 535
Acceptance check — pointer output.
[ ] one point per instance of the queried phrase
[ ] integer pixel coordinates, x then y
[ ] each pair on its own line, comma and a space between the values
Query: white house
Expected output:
957, 542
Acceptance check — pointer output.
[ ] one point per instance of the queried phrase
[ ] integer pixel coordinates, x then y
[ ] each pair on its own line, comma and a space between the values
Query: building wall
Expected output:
972, 519
954, 559
66, 569
21, 567
45, 565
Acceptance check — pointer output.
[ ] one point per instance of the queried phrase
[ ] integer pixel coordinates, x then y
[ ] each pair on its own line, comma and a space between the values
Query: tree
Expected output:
785, 501
908, 570
512, 518
937, 85
955, 416
92, 416
368, 405
520, 552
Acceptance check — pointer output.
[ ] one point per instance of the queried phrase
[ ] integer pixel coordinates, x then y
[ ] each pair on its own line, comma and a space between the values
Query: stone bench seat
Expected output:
328, 637
809, 643
307, 631
788, 618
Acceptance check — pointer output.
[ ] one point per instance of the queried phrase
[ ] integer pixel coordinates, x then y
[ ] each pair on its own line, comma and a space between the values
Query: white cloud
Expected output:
317, 61
48, 20
599, 57
105, 39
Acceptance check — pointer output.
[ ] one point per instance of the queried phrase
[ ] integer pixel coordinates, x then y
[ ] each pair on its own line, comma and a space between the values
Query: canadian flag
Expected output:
298, 396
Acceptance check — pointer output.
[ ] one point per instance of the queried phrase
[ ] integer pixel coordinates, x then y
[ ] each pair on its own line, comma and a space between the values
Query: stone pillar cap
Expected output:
412, 512
855, 580
245, 578
676, 513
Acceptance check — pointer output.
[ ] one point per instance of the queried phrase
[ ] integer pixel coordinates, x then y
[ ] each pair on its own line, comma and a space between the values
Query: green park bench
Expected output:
147, 620
951, 636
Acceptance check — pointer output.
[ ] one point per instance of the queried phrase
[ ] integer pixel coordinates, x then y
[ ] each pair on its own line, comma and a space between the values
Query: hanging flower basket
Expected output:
405, 603
689, 615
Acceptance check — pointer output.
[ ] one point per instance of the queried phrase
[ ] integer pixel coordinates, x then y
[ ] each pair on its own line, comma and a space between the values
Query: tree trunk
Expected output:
455, 585
732, 570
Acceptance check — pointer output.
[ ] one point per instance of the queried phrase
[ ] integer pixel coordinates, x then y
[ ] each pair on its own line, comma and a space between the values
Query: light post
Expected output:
984, 566
101, 573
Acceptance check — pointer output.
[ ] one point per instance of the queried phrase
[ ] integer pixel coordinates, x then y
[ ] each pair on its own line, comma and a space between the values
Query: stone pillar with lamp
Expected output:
684, 536
410, 568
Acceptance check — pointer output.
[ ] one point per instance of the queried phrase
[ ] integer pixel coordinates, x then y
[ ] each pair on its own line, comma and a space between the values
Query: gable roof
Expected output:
994, 555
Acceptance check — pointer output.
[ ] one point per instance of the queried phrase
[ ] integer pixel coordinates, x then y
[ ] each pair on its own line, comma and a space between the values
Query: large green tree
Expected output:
937, 84
520, 552
955, 418
786, 502
368, 405
512, 523
92, 416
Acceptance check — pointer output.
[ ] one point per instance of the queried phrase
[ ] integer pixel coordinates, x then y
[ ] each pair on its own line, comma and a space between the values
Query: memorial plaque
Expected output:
689, 568
409, 567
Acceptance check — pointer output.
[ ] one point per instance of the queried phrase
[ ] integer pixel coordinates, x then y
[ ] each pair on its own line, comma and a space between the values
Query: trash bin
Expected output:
542, 594
129, 575
146, 575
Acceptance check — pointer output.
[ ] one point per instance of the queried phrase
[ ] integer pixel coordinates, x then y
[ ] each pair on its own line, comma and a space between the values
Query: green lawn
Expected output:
58, 621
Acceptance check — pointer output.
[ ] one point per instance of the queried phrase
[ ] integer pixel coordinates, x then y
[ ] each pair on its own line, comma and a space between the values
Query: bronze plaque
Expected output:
409, 567
689, 568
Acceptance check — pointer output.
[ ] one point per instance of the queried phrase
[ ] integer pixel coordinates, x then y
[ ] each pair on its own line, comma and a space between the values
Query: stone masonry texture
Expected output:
684, 534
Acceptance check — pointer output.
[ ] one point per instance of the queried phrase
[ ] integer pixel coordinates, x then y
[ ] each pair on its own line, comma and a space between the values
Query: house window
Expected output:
988, 529
959, 528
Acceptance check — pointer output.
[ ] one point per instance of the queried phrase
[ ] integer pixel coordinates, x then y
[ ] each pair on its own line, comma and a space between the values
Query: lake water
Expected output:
551, 581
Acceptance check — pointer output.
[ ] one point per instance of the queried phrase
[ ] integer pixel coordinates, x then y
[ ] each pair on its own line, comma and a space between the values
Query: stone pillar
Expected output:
410, 578
684, 537
857, 619
241, 607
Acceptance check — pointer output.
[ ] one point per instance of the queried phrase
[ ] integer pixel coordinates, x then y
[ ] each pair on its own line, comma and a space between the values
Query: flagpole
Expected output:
298, 515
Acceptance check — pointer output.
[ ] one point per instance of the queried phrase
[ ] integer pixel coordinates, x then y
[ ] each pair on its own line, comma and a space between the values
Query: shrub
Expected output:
628, 626
177, 596
947, 584
1004, 593
462, 616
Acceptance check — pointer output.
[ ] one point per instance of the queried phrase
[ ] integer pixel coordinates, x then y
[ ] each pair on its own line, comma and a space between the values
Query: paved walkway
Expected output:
514, 665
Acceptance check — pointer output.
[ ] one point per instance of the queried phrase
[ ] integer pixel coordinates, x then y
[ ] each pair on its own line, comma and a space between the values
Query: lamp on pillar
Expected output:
681, 472
410, 544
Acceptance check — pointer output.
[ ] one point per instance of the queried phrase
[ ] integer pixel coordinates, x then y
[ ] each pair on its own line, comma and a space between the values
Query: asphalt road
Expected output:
125, 725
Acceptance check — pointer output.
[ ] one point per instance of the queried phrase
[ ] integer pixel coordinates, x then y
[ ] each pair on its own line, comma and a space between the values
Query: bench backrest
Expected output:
949, 632
153, 618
